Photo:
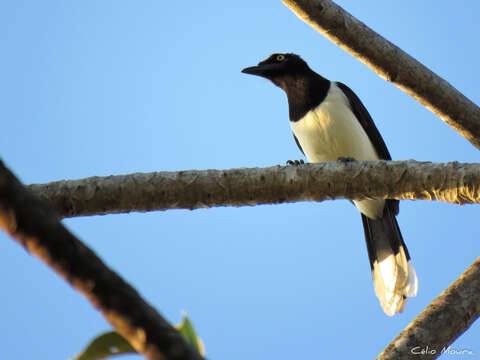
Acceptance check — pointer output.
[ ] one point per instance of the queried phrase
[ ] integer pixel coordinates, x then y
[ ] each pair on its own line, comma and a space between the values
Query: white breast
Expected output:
330, 131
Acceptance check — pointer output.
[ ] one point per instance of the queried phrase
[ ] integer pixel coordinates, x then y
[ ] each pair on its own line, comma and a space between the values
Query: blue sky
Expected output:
117, 87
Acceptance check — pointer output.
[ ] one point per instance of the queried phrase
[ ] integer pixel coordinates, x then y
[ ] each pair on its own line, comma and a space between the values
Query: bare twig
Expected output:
446, 318
452, 182
392, 64
34, 225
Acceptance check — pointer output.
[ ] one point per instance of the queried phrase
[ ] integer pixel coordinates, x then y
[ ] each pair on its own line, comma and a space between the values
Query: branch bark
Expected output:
34, 225
457, 183
446, 318
392, 64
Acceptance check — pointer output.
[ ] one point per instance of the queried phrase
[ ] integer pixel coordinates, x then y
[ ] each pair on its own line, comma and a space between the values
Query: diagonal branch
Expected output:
34, 225
392, 64
454, 182
445, 319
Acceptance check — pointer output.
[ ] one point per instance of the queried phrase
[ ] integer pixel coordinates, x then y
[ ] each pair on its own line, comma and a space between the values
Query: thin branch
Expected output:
392, 64
446, 318
457, 183
34, 225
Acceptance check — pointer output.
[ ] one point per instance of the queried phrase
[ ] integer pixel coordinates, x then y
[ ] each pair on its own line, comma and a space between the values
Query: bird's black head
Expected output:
305, 88
279, 67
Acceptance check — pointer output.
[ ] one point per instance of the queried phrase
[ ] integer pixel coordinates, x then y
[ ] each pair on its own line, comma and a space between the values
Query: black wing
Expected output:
373, 134
298, 144
366, 121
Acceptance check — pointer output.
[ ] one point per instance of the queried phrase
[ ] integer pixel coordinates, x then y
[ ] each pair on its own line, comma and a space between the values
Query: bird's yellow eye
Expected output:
280, 57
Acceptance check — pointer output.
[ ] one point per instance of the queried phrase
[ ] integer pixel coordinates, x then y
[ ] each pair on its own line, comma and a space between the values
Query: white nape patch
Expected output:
330, 131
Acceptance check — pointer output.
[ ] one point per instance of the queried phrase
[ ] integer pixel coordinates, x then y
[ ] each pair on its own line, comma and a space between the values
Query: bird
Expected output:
330, 123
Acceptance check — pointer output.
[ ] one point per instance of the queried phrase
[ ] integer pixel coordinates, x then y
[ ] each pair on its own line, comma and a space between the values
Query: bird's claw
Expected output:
345, 160
295, 162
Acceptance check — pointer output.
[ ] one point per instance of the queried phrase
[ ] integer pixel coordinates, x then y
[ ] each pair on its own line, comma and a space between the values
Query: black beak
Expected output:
254, 70
264, 70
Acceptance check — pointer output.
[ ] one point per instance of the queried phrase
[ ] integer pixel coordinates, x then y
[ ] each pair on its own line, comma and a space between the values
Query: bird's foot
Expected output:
295, 162
345, 160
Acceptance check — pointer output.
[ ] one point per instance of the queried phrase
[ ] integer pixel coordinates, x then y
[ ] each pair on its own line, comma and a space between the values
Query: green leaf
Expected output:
189, 334
105, 345
112, 343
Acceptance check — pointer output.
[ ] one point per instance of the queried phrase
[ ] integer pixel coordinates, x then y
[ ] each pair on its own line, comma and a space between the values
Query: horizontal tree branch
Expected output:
392, 64
454, 182
445, 319
34, 225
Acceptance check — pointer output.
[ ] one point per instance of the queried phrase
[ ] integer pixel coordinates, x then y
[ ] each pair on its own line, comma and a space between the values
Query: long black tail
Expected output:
393, 274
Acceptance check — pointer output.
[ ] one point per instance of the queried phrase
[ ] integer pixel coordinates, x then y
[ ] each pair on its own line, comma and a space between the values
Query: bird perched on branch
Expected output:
330, 123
